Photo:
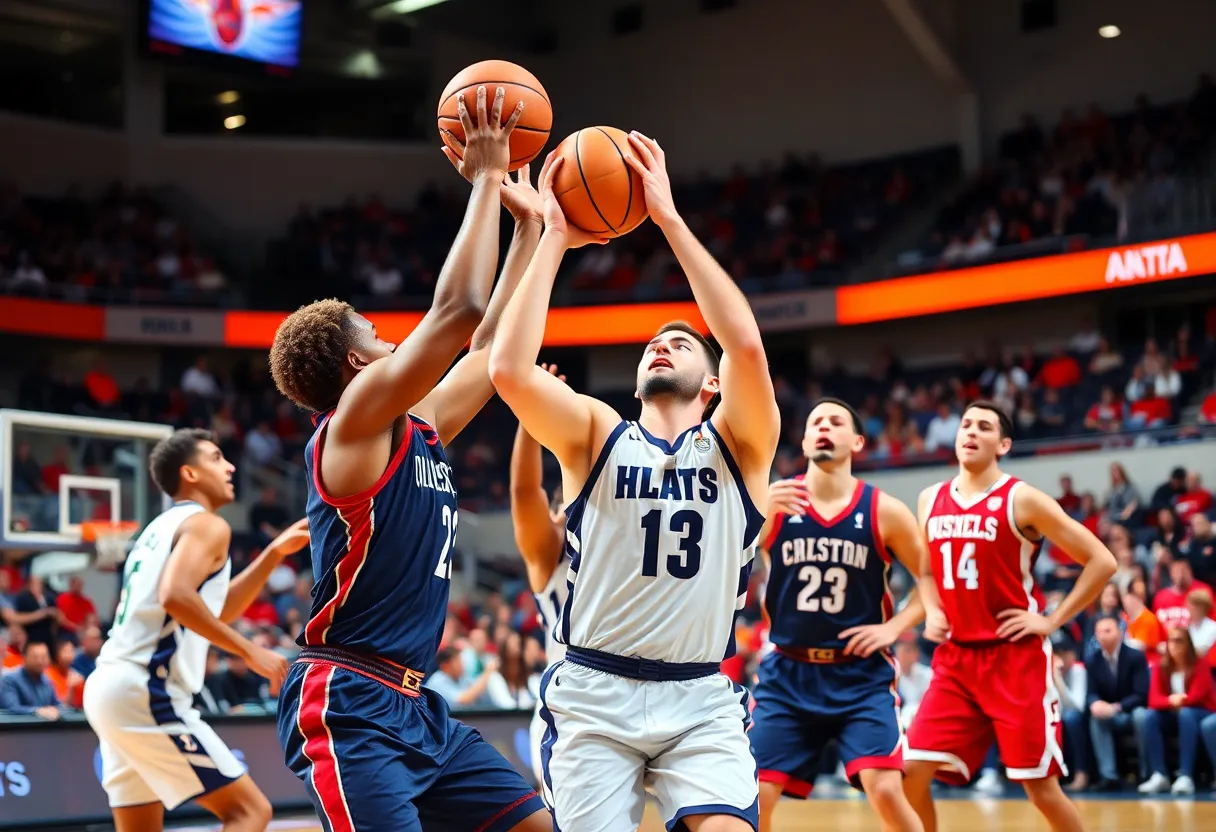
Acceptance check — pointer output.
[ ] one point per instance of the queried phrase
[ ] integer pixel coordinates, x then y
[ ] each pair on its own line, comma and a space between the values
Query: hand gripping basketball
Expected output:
555, 220
487, 145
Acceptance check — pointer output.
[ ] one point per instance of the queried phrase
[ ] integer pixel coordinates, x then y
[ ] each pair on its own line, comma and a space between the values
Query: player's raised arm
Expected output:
1037, 514
387, 388
466, 389
749, 407
565, 422
538, 538
201, 548
246, 586
937, 627
903, 538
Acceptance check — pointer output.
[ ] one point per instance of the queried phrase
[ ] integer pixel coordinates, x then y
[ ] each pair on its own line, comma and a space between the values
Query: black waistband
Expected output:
646, 670
382, 670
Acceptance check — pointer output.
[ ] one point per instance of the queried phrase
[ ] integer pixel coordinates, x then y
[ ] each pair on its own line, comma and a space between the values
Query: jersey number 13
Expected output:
686, 523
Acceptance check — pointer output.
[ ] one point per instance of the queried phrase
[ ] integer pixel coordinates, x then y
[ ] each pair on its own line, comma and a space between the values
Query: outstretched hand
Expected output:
292, 539
555, 219
650, 162
520, 198
487, 144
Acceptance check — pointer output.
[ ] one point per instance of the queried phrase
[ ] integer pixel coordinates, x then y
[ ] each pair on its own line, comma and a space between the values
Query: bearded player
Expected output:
660, 532
992, 675
375, 749
829, 538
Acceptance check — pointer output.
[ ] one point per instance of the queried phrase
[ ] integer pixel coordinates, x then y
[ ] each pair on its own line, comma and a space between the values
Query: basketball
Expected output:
530, 133
596, 188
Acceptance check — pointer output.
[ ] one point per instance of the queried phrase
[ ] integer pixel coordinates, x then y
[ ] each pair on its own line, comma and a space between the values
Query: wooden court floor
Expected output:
963, 815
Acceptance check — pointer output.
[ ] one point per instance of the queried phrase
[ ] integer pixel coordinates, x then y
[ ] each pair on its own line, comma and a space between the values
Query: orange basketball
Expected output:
530, 133
596, 189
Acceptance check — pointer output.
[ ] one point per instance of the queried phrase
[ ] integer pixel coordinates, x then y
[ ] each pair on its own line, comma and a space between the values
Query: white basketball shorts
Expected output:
154, 745
610, 739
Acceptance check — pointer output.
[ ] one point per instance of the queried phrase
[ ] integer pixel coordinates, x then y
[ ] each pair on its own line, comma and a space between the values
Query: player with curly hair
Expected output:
375, 749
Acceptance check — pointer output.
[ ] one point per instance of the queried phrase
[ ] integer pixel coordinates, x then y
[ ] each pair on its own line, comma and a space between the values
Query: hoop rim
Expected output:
93, 530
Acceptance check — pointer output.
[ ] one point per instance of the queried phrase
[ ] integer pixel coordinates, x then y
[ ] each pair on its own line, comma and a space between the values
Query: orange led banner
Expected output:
52, 319
1044, 277
580, 326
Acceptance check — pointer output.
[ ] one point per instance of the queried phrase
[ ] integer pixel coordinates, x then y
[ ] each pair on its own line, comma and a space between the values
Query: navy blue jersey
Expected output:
381, 558
827, 575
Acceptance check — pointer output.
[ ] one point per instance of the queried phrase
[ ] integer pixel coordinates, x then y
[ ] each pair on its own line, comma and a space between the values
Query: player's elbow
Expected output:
506, 373
1106, 563
173, 599
460, 314
748, 350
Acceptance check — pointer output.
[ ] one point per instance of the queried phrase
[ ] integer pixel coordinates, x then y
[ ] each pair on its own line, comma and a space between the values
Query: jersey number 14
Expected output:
965, 570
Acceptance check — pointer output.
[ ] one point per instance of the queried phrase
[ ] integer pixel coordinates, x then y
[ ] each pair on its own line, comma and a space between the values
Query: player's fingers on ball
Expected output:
452, 157
524, 175
514, 118
449, 139
462, 113
641, 148
482, 120
500, 96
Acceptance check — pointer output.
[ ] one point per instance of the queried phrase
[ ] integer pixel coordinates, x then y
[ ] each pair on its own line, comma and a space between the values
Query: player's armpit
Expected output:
573, 426
456, 399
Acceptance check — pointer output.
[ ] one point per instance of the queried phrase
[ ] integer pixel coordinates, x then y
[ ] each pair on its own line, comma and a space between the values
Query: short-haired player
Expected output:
540, 535
176, 601
830, 539
993, 673
661, 527
375, 749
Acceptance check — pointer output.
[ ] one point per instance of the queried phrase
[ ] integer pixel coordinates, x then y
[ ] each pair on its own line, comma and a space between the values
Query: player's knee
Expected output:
253, 811
1044, 793
886, 792
770, 796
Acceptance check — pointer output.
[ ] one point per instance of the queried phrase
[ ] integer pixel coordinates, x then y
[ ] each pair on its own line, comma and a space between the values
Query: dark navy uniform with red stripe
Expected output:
376, 750
826, 575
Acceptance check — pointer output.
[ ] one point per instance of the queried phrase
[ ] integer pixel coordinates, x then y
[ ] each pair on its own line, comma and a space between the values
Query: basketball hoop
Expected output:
110, 539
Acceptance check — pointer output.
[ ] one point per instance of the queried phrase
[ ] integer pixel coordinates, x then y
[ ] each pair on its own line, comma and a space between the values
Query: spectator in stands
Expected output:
1051, 412
103, 390
7, 613
36, 611
14, 654
1144, 631
1196, 499
262, 611
210, 698
299, 601
90, 648
1203, 628
1071, 682
1117, 686
267, 518
199, 381
1170, 602
449, 680
1150, 411
27, 691
67, 683
943, 428
27, 473
1107, 415
1059, 371
76, 610
1105, 360
1069, 500
1123, 500
239, 687
914, 676
507, 686
1200, 549
1135, 385
263, 446
1181, 697
1207, 410
56, 468
1167, 544
1170, 490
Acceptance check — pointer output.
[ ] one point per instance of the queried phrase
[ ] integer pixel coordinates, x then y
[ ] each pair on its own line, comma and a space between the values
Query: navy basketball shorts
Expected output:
801, 706
379, 759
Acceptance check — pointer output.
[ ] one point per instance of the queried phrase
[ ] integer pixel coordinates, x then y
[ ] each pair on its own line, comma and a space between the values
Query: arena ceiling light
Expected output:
228, 97
1109, 31
233, 122
407, 6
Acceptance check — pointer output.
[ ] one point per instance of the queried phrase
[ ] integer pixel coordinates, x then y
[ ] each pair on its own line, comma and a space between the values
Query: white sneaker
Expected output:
989, 782
1155, 784
1183, 785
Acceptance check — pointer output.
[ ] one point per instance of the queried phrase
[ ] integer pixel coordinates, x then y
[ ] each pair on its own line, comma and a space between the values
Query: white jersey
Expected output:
661, 542
143, 633
549, 604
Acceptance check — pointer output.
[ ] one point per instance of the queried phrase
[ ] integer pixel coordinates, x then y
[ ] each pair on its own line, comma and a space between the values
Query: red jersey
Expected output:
981, 561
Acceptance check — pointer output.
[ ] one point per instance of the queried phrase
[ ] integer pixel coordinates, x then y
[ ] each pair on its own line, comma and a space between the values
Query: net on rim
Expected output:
111, 539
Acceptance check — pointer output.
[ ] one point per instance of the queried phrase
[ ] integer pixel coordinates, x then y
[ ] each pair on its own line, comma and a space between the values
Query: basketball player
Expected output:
992, 676
156, 752
540, 534
831, 675
375, 749
660, 535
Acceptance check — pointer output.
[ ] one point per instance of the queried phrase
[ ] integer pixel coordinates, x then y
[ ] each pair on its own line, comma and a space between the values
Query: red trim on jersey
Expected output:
876, 527
360, 522
501, 813
789, 785
845, 512
854, 768
367, 493
778, 522
326, 778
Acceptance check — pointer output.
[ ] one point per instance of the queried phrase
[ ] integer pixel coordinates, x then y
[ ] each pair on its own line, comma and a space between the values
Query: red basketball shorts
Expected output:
1003, 693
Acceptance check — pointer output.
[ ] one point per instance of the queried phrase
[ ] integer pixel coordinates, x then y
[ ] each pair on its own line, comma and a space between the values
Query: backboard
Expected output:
60, 471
